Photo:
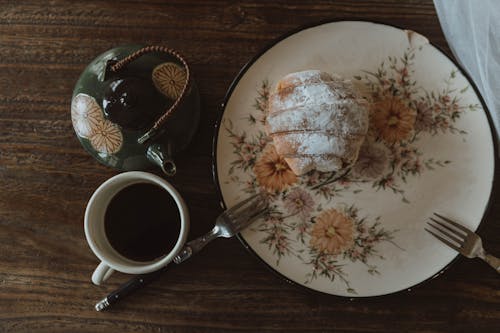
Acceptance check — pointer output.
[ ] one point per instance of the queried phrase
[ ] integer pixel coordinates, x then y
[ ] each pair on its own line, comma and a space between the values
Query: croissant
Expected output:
317, 121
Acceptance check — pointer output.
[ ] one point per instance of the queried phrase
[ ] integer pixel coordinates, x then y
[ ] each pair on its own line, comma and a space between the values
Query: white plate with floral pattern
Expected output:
430, 149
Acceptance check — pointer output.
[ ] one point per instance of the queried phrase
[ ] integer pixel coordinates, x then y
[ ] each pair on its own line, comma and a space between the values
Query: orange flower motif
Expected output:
392, 119
106, 138
332, 233
272, 171
169, 79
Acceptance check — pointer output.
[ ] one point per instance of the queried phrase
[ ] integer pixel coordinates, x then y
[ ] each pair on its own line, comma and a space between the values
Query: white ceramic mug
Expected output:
111, 260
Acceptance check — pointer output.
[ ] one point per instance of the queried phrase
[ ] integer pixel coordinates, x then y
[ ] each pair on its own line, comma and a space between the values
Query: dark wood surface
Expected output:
46, 179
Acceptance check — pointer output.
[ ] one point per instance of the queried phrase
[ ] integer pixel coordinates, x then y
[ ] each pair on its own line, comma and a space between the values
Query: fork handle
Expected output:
492, 261
196, 245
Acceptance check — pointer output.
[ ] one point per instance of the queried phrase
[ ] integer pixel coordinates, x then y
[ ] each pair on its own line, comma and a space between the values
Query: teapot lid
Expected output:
115, 66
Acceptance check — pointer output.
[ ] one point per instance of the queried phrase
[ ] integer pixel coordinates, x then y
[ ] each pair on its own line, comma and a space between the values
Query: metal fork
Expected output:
461, 239
228, 224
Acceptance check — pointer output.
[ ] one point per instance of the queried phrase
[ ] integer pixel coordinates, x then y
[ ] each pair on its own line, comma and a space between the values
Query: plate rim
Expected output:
258, 55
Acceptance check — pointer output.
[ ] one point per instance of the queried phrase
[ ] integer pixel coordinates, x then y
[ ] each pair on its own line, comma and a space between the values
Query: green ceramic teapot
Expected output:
134, 107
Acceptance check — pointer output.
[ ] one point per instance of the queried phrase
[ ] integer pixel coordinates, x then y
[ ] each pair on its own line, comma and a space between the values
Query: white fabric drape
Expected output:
472, 29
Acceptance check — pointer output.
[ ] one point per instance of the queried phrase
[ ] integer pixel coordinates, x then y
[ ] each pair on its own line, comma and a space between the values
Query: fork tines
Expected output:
448, 231
249, 207
250, 200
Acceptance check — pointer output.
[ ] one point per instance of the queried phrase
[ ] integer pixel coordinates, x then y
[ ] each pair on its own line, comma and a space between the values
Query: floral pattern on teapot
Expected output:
89, 123
169, 79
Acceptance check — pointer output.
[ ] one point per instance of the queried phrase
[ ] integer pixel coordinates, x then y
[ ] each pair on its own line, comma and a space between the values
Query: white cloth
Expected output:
472, 29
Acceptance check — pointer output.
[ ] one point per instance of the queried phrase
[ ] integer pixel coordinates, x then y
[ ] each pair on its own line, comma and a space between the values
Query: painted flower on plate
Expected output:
86, 115
425, 119
272, 171
299, 202
332, 233
373, 160
106, 138
247, 152
392, 118
169, 79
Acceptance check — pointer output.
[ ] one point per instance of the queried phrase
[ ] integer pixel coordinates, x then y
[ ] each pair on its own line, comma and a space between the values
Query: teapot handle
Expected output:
117, 66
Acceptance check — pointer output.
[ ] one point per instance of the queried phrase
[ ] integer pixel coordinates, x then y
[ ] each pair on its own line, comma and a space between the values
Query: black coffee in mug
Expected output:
142, 222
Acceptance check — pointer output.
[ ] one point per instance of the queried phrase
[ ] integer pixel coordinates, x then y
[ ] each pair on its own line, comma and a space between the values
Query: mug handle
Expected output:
101, 273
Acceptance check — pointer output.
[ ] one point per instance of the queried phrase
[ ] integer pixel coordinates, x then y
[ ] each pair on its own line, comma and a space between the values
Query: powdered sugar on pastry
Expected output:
317, 121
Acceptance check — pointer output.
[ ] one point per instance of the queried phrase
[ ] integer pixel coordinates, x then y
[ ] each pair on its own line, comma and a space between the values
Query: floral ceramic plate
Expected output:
429, 149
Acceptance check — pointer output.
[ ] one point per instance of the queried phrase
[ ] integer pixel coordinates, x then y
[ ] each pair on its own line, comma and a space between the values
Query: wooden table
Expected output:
46, 179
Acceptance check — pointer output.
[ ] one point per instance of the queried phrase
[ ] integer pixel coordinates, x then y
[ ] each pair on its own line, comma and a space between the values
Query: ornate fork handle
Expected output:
196, 245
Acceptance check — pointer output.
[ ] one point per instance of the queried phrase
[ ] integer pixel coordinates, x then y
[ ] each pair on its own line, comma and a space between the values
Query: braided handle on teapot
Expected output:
149, 49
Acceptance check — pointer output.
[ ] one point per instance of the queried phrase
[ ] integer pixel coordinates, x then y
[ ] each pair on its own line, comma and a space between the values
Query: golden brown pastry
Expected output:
317, 121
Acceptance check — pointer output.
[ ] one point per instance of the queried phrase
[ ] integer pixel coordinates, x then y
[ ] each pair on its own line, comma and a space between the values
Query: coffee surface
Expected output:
142, 222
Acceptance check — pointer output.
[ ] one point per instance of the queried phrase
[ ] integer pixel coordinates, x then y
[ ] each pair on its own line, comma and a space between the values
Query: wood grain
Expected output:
46, 179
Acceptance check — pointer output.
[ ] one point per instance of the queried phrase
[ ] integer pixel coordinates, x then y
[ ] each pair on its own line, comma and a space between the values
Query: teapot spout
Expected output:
160, 155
